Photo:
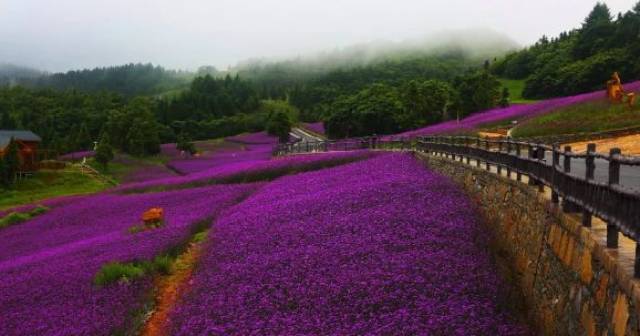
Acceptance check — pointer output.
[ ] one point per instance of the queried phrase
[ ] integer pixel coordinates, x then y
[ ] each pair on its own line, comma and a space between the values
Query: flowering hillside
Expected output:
48, 263
381, 246
317, 127
511, 112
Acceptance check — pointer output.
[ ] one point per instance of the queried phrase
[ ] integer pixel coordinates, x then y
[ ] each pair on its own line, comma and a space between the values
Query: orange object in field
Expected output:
616, 93
153, 215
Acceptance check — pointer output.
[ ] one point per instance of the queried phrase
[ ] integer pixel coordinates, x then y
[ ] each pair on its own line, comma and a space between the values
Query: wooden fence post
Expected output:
556, 162
531, 155
467, 145
478, 148
568, 206
487, 148
540, 153
589, 174
499, 167
518, 154
614, 179
509, 153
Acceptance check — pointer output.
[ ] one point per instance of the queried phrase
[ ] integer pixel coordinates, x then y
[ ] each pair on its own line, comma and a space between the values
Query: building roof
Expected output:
6, 135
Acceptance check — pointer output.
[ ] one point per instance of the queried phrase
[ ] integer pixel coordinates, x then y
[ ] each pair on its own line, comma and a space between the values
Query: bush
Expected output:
163, 264
116, 271
39, 210
19, 217
14, 218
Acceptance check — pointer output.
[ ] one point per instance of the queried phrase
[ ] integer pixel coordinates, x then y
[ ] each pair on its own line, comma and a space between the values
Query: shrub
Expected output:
162, 264
39, 210
14, 218
116, 271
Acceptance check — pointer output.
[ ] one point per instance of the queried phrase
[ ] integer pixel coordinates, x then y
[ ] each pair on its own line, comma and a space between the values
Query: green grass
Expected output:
600, 116
18, 217
49, 183
515, 90
115, 271
118, 170
162, 264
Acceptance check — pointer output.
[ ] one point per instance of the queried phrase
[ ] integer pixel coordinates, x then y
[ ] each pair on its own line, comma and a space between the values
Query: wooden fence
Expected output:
617, 205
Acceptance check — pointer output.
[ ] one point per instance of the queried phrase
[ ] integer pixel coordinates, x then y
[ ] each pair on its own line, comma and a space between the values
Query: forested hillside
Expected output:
579, 60
129, 80
10, 74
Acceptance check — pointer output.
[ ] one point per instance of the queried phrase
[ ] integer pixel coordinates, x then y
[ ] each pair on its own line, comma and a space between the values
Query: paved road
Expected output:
629, 175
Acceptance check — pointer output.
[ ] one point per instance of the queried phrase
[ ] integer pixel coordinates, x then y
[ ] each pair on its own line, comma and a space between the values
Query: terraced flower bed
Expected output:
380, 246
50, 262
249, 171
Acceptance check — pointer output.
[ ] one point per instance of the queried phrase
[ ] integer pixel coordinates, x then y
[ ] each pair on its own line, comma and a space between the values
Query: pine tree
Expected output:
104, 152
5, 182
12, 161
504, 99
83, 140
7, 122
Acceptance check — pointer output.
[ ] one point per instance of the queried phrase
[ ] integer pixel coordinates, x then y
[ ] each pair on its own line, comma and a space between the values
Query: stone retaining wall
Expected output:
571, 283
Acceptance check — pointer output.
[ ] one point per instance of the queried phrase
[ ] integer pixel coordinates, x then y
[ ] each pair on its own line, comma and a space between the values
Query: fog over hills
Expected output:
476, 44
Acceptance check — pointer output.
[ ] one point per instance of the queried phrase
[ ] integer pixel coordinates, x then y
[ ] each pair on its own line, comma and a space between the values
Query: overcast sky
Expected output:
58, 35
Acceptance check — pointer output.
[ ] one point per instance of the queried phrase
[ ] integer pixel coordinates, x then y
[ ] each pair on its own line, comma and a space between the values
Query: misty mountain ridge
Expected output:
473, 44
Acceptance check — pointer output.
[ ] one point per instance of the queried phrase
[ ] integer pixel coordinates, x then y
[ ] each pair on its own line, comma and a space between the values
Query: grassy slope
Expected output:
515, 90
591, 117
48, 183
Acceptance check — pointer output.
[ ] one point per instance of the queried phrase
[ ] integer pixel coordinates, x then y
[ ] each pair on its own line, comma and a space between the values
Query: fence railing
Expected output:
569, 175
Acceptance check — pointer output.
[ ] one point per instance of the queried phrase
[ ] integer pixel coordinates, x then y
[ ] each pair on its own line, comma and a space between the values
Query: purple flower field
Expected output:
317, 127
76, 156
511, 112
48, 263
243, 170
221, 157
380, 246
259, 138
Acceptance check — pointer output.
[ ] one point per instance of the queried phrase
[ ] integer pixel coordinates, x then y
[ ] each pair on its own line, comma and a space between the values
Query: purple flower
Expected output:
381, 246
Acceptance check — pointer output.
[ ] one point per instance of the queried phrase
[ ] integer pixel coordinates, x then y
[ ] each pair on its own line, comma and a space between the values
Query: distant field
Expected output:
599, 116
49, 183
515, 89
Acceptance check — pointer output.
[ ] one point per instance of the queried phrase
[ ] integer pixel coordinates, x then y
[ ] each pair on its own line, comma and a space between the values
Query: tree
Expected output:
5, 181
12, 161
595, 32
426, 102
279, 125
478, 91
184, 144
104, 152
83, 140
7, 122
376, 109
504, 99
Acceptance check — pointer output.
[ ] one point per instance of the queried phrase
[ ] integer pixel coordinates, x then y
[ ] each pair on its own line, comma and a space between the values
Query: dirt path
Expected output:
169, 289
629, 144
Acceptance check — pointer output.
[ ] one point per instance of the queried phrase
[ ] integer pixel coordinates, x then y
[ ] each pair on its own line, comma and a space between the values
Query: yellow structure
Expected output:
616, 93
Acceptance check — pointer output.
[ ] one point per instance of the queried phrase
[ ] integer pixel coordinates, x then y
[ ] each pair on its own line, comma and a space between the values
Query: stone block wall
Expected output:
571, 283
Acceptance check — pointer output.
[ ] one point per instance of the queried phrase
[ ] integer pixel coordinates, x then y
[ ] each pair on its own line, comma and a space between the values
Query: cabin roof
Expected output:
6, 135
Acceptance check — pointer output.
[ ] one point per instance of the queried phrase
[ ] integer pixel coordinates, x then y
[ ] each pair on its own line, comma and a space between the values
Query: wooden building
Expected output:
28, 143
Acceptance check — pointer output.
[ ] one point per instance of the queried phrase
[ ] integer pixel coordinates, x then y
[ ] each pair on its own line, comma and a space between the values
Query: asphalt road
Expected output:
629, 175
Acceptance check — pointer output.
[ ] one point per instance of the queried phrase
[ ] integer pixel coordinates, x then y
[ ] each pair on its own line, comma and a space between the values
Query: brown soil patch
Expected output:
629, 144
169, 289
493, 135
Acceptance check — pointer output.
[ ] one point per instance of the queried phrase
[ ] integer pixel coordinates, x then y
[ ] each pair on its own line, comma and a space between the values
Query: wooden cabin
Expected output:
28, 147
